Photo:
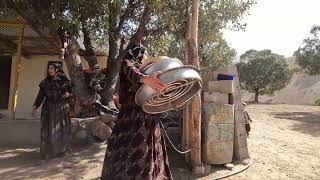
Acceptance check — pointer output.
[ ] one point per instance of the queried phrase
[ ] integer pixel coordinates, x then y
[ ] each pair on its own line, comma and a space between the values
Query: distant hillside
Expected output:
302, 90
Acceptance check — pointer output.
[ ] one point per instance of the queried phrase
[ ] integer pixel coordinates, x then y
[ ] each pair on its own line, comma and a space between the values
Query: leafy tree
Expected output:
117, 24
263, 72
217, 54
214, 16
308, 55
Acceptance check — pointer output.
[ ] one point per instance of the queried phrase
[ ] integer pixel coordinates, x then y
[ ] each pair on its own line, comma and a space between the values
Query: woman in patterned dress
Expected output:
54, 93
136, 148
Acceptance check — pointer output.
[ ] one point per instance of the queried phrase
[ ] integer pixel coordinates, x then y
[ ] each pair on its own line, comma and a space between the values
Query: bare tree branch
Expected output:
89, 53
126, 14
157, 32
145, 19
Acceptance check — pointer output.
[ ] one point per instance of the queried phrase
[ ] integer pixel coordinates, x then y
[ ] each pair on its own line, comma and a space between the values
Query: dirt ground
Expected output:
284, 144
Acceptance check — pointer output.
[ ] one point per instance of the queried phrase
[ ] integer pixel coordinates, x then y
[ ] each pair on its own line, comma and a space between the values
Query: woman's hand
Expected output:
66, 95
34, 110
154, 82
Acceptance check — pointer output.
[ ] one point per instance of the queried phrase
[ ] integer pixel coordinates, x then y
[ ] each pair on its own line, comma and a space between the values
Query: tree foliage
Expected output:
158, 24
308, 55
112, 24
214, 16
263, 72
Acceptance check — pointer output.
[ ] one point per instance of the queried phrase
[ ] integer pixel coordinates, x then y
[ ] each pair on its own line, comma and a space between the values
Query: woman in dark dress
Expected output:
55, 91
136, 148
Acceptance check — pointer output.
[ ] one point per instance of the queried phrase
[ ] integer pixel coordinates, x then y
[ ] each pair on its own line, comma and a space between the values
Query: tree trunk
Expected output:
193, 109
76, 73
114, 61
117, 53
256, 96
89, 53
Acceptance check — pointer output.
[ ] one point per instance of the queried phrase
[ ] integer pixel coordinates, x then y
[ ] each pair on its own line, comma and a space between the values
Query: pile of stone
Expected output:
86, 130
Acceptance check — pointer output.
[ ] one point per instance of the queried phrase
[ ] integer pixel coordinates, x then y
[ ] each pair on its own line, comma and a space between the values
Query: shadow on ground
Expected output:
307, 123
178, 166
24, 163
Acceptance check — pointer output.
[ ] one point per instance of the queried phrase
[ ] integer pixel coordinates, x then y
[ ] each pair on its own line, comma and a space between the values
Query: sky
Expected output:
279, 25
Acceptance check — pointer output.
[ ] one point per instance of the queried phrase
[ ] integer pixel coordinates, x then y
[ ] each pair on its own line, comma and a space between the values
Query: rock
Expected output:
229, 166
74, 125
87, 122
107, 118
101, 130
81, 134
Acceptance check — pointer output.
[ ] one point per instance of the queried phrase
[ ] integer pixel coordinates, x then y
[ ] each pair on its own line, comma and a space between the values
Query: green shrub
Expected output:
317, 103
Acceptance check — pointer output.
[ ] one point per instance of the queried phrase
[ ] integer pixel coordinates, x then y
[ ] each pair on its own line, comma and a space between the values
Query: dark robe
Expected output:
55, 120
136, 148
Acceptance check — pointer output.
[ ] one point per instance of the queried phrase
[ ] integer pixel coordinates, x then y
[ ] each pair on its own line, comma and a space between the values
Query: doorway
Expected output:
5, 76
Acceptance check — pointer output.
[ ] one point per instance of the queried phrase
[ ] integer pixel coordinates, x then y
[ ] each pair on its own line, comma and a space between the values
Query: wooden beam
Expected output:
43, 49
17, 72
29, 38
193, 109
12, 24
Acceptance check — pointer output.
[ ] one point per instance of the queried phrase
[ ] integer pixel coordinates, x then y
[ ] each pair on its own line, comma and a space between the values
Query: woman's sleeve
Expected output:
132, 73
69, 86
40, 98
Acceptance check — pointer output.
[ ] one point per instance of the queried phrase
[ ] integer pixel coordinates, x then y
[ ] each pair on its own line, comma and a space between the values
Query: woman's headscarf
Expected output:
135, 55
61, 81
60, 73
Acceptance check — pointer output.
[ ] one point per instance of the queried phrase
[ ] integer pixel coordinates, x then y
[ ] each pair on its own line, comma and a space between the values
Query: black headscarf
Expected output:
59, 71
135, 55
62, 82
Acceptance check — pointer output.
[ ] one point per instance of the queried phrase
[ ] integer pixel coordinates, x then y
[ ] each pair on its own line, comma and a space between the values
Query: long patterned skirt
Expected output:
55, 130
136, 149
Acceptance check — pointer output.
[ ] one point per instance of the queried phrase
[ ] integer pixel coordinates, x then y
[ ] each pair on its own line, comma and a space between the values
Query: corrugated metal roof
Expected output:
34, 43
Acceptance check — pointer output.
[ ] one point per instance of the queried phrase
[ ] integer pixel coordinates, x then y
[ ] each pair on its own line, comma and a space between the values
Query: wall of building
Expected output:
33, 71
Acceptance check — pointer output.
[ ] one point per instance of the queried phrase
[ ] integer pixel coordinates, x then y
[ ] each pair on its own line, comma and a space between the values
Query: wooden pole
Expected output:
192, 114
17, 72
186, 115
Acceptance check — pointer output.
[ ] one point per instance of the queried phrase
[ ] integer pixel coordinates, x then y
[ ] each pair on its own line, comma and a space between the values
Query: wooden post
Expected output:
186, 114
17, 72
192, 114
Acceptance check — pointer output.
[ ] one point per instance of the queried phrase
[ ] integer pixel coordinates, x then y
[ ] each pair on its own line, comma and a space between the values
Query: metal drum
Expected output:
162, 65
183, 83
